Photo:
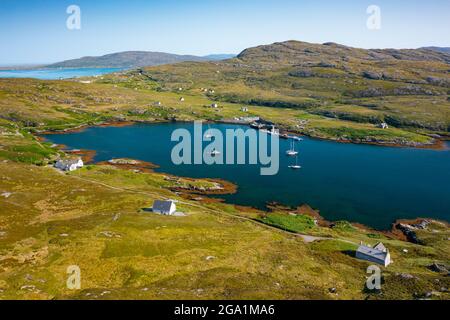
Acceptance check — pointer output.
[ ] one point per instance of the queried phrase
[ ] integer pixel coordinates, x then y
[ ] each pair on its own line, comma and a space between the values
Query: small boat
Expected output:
256, 125
295, 138
284, 136
208, 135
215, 152
296, 166
272, 131
292, 152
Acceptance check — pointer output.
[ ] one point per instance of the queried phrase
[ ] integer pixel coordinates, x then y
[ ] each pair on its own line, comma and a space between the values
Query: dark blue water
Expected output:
56, 74
361, 183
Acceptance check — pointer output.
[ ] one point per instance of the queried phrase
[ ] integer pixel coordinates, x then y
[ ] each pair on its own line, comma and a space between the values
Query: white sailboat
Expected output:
292, 152
215, 152
296, 166
296, 138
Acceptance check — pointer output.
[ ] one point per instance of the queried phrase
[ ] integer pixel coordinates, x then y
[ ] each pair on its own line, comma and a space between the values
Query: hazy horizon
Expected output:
36, 33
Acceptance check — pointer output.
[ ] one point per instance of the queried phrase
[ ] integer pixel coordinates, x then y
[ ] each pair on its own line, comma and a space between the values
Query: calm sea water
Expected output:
56, 74
367, 184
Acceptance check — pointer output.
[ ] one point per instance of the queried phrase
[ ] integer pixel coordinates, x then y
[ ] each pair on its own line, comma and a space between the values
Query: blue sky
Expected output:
35, 31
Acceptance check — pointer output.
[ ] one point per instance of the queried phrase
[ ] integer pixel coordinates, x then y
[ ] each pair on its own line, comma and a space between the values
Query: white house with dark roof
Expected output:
378, 254
69, 165
167, 208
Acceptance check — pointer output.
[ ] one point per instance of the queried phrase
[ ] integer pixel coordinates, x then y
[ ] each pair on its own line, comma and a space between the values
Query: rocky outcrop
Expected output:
308, 73
124, 161
408, 231
372, 75
438, 81
302, 73
413, 90
440, 268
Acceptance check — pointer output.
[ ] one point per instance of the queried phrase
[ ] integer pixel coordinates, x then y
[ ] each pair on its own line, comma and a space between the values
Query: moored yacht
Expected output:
215, 152
296, 138
291, 152
296, 166
208, 135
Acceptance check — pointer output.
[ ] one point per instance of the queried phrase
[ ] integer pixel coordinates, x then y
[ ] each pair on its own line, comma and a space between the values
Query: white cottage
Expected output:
166, 208
69, 165
378, 254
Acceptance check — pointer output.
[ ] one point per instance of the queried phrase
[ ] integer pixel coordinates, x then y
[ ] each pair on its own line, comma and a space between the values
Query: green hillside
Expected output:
359, 89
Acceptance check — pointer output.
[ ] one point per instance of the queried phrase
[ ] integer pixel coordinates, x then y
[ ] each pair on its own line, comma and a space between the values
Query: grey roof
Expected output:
372, 252
163, 206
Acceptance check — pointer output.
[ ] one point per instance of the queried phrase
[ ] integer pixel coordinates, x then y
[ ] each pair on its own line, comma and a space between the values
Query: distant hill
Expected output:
217, 57
407, 88
133, 59
21, 67
438, 49
296, 52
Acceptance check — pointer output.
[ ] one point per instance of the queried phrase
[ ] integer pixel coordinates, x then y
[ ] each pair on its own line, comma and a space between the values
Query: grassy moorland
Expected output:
95, 217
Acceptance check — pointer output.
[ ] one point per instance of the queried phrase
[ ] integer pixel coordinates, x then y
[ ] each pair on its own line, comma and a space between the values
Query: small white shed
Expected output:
378, 254
69, 165
163, 207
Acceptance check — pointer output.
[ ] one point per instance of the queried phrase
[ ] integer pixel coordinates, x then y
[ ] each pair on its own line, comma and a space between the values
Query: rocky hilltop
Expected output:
408, 89
295, 52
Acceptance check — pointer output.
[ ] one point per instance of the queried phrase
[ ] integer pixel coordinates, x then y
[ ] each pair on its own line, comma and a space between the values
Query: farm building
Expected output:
378, 254
163, 207
69, 165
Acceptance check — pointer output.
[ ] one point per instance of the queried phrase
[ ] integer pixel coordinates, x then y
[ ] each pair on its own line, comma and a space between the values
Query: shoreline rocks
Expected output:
124, 162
